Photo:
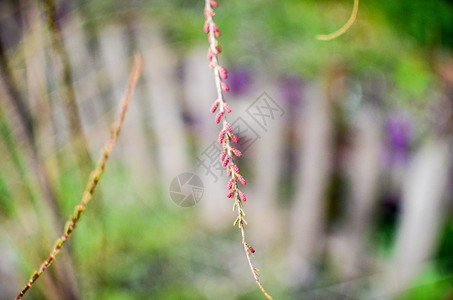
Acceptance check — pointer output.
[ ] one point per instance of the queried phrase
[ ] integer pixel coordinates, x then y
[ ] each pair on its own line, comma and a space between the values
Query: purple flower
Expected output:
291, 89
239, 80
399, 133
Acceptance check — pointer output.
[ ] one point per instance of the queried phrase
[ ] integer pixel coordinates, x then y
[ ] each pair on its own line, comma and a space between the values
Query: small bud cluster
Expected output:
221, 108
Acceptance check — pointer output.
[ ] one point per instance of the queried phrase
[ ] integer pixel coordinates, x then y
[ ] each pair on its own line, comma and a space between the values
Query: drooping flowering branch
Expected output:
94, 177
226, 136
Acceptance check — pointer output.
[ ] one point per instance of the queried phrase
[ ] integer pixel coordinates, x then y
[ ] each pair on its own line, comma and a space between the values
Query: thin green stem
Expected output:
345, 27
249, 255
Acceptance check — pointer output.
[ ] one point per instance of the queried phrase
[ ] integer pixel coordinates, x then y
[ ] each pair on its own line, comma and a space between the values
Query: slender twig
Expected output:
94, 177
345, 27
226, 136
248, 251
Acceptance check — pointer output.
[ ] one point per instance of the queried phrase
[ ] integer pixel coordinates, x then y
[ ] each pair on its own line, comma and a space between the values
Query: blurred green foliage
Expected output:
400, 38
118, 245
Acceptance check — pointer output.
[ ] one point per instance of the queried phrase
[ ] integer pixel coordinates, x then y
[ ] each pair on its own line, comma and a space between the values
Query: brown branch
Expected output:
94, 177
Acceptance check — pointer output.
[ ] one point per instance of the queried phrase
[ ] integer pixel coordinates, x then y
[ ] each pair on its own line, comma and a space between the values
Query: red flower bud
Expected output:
222, 156
221, 136
226, 160
214, 106
230, 184
234, 138
216, 30
251, 249
227, 107
214, 3
242, 195
234, 167
236, 152
206, 26
227, 126
241, 179
224, 86
208, 12
230, 194
222, 71
218, 117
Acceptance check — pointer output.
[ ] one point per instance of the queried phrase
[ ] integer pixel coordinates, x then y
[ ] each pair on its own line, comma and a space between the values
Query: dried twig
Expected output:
94, 177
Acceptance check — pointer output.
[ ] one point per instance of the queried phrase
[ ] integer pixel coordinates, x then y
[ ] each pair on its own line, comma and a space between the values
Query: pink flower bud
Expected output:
210, 55
226, 160
234, 167
219, 48
241, 179
224, 86
242, 195
234, 138
208, 12
230, 194
214, 3
237, 152
206, 26
227, 107
230, 184
214, 106
227, 126
251, 249
222, 156
216, 30
228, 172
223, 72
221, 136
218, 117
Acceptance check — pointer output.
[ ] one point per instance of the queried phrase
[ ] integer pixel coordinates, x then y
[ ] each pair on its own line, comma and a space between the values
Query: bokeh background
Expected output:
349, 184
